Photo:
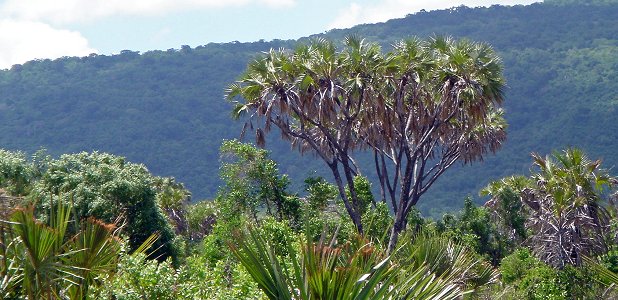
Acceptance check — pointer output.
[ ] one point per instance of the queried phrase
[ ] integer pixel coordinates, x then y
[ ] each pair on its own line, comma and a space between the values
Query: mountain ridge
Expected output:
166, 109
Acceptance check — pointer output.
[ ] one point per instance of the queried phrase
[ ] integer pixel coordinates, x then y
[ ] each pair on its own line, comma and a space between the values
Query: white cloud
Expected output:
21, 41
31, 29
70, 11
389, 9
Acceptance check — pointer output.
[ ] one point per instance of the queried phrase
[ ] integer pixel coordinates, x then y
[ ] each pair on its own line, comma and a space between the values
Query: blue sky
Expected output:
37, 29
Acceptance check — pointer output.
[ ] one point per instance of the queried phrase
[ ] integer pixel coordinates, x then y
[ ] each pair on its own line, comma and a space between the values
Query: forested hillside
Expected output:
166, 108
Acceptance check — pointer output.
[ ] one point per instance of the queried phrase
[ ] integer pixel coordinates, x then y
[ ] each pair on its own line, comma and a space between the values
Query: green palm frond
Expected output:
94, 251
264, 266
41, 262
44, 274
602, 274
359, 270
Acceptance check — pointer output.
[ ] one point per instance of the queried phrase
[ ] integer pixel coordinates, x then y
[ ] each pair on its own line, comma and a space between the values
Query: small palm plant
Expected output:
568, 219
94, 251
361, 270
562, 205
42, 262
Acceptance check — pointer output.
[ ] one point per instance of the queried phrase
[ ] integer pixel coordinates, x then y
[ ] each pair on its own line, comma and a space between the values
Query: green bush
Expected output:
533, 279
139, 278
475, 228
214, 247
580, 283
377, 223
319, 193
16, 173
107, 187
542, 282
610, 259
280, 235
327, 224
515, 266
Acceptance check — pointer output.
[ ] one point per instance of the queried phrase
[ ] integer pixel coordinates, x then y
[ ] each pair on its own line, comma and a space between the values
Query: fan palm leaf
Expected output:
357, 270
39, 252
95, 251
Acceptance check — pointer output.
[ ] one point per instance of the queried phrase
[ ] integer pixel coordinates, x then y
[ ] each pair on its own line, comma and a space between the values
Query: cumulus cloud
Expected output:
70, 11
389, 9
31, 29
21, 41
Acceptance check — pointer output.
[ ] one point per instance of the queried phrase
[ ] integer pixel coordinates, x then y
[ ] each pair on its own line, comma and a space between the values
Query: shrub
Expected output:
515, 266
377, 223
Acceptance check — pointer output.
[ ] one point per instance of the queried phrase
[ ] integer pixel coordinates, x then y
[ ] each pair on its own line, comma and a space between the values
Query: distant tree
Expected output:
421, 108
508, 213
173, 198
16, 172
252, 183
107, 187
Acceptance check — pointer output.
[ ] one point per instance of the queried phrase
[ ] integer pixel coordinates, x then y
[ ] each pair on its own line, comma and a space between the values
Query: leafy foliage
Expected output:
356, 270
107, 187
533, 279
507, 210
42, 261
476, 229
16, 173
140, 278
253, 183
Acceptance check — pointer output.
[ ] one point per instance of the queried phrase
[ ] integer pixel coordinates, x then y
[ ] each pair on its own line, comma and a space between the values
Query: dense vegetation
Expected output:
92, 225
551, 235
165, 108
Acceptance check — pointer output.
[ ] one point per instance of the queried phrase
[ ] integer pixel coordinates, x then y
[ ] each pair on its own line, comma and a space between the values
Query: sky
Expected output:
40, 29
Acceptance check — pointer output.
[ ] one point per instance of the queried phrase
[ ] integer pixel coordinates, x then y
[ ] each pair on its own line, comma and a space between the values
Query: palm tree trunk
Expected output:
398, 227
346, 202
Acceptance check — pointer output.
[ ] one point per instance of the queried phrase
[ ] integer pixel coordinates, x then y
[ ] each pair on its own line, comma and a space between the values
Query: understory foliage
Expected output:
308, 248
44, 260
425, 267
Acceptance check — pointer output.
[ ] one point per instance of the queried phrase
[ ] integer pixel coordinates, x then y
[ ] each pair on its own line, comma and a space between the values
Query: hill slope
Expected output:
166, 108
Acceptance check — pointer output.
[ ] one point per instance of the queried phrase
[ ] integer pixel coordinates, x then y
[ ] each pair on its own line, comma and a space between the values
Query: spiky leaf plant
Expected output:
357, 270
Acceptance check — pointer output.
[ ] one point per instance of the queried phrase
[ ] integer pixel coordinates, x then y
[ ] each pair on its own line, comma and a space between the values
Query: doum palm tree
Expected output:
565, 219
568, 219
420, 108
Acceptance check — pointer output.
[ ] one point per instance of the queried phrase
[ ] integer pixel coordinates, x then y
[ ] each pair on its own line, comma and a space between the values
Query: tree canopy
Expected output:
420, 108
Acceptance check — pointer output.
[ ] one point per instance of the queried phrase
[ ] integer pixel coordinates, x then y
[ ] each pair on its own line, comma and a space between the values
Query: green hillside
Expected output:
166, 109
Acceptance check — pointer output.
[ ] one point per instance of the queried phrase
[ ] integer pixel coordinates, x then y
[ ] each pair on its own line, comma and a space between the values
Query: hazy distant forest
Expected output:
129, 176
